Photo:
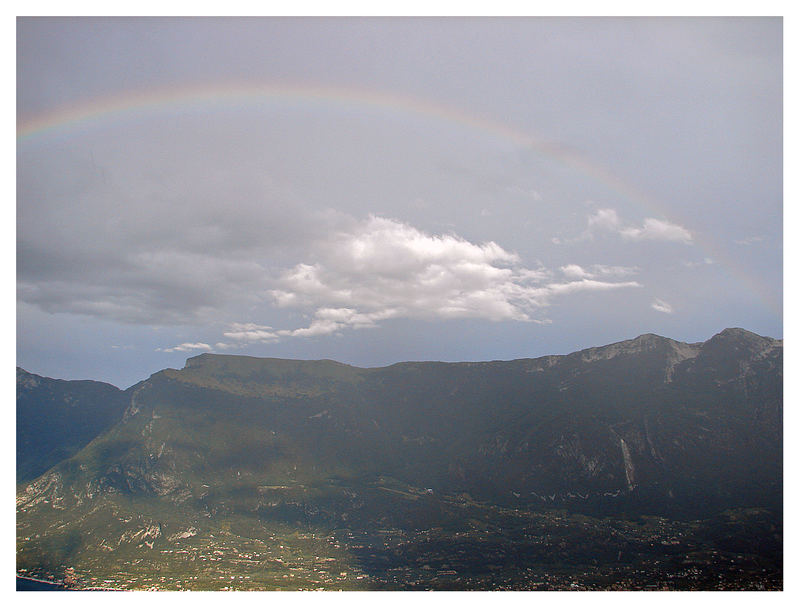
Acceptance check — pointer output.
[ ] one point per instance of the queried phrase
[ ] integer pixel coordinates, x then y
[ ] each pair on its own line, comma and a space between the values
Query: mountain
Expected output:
57, 418
557, 472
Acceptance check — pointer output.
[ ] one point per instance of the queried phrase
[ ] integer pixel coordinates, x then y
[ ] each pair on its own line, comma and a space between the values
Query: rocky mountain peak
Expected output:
26, 379
737, 334
645, 343
736, 340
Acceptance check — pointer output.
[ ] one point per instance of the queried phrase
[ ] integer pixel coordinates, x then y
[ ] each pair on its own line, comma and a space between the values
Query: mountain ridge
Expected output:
629, 346
642, 343
632, 345
643, 427
56, 418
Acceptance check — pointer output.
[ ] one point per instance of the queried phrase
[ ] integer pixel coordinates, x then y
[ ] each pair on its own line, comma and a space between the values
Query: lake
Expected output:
28, 584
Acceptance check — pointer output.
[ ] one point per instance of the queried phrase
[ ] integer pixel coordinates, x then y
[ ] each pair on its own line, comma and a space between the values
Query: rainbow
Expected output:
133, 104
117, 108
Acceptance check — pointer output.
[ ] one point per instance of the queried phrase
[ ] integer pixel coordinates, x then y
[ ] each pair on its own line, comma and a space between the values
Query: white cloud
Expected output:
574, 271
661, 306
330, 320
382, 269
585, 285
186, 346
652, 229
604, 219
614, 271
250, 332
379, 269
657, 230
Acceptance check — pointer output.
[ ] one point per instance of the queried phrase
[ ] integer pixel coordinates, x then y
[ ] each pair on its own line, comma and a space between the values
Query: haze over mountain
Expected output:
312, 468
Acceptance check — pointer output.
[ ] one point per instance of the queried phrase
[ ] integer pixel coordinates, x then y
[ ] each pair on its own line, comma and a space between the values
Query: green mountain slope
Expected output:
541, 467
56, 418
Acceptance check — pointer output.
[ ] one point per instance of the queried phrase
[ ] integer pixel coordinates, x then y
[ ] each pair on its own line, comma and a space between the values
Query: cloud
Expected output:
657, 230
749, 240
703, 262
652, 229
614, 271
574, 271
249, 332
604, 219
585, 285
165, 286
174, 248
330, 320
382, 269
186, 346
661, 306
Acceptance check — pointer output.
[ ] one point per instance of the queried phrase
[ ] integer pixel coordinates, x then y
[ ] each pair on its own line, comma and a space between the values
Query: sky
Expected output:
391, 189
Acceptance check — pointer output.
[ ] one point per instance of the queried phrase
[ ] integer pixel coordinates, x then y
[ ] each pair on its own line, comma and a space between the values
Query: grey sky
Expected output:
376, 190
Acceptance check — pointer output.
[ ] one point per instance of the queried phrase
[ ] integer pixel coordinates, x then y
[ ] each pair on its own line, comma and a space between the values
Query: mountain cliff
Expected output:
646, 427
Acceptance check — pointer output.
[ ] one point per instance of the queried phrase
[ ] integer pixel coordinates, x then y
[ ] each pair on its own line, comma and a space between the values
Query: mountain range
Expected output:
646, 463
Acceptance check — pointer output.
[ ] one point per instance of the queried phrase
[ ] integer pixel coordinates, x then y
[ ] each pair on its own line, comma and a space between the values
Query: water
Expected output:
27, 584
